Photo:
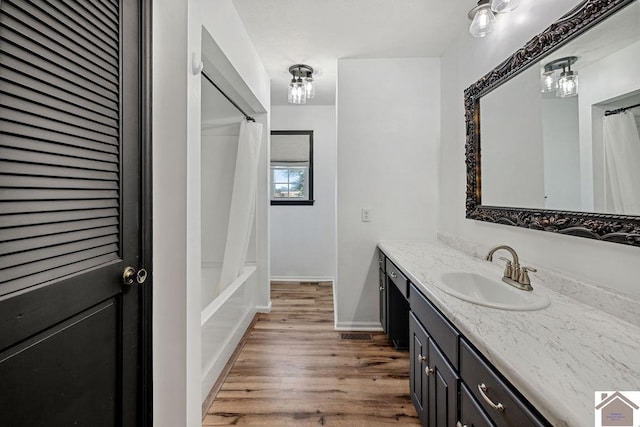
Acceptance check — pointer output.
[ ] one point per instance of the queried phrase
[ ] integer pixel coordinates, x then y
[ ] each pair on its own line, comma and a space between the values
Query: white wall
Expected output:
561, 143
464, 62
303, 238
388, 137
176, 193
512, 155
594, 90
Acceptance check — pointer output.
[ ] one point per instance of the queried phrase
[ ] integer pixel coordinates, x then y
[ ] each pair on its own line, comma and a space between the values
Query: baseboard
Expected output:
264, 308
358, 326
304, 279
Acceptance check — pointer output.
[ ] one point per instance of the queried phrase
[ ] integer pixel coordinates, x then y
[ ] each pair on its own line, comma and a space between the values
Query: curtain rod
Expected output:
246, 116
620, 110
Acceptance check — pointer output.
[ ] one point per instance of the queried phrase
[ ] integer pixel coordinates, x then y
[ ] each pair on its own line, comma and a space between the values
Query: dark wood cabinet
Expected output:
394, 306
382, 288
501, 401
448, 376
451, 383
471, 415
443, 389
419, 360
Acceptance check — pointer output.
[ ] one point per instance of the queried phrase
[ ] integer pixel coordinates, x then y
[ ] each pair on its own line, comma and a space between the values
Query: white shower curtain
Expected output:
622, 163
243, 203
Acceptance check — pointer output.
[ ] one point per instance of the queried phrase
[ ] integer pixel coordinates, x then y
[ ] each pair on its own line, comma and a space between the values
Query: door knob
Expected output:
130, 274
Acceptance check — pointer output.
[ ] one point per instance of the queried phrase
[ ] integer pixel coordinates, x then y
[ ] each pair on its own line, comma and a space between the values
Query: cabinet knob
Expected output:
482, 389
381, 288
428, 370
421, 358
459, 424
393, 275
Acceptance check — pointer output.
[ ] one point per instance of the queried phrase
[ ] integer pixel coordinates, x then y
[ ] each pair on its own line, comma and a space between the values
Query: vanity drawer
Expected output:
381, 259
436, 325
471, 414
398, 278
474, 372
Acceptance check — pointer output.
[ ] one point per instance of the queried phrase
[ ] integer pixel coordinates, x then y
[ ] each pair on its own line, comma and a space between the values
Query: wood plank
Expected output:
295, 370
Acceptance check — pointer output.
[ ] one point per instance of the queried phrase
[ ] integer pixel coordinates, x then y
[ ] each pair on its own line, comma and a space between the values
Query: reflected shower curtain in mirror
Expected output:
243, 203
622, 163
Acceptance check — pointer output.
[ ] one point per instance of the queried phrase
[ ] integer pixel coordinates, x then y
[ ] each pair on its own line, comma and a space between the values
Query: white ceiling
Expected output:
318, 32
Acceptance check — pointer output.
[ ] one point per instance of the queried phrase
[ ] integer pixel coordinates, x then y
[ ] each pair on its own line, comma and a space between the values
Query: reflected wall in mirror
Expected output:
553, 133
292, 167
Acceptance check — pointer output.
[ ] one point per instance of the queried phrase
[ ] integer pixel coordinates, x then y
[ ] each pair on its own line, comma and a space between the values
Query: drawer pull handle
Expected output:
393, 275
482, 389
428, 370
421, 358
459, 424
381, 288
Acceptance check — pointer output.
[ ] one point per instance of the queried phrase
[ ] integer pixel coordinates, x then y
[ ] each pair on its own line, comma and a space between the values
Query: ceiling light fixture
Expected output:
564, 84
301, 86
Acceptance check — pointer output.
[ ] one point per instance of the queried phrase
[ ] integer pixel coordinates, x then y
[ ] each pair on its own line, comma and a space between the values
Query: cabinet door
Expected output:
383, 301
419, 357
443, 389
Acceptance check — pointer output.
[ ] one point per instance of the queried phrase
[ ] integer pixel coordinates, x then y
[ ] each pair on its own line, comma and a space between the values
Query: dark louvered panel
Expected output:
59, 139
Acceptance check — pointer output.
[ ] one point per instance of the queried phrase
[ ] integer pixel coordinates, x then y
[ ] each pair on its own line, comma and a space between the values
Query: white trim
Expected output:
264, 308
214, 368
358, 326
302, 279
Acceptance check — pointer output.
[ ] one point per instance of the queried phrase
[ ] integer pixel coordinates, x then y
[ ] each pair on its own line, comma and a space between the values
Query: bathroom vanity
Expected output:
481, 366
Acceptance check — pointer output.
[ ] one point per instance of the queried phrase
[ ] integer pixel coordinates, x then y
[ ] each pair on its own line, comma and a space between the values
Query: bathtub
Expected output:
224, 320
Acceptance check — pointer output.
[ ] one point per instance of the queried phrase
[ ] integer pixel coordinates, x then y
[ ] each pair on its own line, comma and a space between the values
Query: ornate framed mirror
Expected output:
544, 148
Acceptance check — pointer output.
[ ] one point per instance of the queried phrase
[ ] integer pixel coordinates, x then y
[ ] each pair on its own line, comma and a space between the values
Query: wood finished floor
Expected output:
294, 370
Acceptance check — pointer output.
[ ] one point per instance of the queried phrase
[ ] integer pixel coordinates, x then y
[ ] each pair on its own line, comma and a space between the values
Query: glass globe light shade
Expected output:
309, 87
549, 82
567, 85
502, 6
482, 23
297, 91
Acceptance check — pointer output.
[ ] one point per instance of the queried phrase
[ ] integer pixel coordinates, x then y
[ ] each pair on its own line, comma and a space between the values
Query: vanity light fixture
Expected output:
481, 19
483, 15
502, 6
301, 86
564, 84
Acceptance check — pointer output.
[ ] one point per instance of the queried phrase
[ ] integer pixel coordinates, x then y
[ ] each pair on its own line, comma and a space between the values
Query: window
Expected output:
292, 167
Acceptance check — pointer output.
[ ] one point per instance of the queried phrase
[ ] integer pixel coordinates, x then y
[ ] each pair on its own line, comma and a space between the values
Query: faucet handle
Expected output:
524, 275
508, 269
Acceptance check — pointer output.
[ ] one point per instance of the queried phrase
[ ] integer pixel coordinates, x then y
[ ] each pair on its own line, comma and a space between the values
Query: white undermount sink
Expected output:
481, 290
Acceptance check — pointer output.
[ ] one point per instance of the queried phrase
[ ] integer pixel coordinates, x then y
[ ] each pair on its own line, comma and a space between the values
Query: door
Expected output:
443, 389
419, 363
71, 213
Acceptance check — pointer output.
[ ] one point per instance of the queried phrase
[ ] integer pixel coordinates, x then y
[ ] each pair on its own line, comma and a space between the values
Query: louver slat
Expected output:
30, 27
59, 140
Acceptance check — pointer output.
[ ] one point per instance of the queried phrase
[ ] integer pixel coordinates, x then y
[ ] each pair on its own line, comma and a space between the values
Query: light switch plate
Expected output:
366, 215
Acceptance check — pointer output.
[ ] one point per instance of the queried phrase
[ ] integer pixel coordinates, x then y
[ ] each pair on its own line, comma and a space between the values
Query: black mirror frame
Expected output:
607, 227
306, 202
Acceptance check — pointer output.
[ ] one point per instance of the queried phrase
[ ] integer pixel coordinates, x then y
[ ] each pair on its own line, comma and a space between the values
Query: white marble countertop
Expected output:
556, 357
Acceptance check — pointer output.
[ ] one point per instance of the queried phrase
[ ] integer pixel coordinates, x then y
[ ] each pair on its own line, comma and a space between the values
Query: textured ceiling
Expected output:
318, 32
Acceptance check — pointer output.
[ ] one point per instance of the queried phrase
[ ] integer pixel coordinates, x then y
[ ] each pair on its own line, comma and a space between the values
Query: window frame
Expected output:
307, 201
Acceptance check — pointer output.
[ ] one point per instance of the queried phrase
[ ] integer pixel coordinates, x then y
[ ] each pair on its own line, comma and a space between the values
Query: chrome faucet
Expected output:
514, 274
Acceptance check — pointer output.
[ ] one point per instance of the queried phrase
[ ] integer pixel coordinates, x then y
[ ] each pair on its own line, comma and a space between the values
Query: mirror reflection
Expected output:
565, 133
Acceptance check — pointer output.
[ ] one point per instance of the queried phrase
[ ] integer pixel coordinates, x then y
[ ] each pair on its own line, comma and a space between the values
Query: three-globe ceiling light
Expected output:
483, 15
301, 86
